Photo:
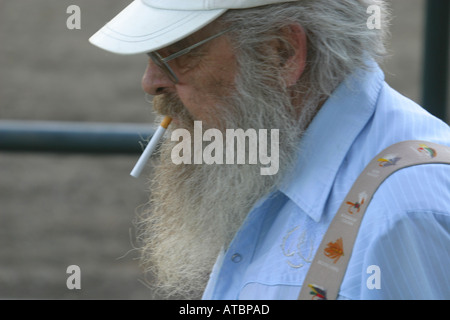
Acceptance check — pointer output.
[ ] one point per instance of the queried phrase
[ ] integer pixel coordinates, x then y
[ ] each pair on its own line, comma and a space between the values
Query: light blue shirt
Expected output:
405, 233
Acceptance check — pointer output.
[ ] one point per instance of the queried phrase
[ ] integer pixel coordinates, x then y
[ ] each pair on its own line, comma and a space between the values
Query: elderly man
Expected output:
308, 68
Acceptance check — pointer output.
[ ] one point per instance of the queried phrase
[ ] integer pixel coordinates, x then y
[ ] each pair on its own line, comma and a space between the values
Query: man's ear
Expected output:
294, 62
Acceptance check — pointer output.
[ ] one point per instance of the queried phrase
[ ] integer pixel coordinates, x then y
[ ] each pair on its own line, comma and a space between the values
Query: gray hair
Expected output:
339, 40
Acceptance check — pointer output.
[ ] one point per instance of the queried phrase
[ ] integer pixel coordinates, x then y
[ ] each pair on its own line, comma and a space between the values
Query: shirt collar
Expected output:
329, 137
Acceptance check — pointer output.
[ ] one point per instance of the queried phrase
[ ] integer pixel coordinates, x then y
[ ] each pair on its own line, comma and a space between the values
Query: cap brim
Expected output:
140, 28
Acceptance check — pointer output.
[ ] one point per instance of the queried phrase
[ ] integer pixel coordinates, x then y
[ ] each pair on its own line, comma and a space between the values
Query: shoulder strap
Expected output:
327, 270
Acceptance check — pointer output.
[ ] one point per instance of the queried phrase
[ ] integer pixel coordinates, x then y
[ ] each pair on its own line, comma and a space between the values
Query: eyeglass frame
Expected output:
162, 63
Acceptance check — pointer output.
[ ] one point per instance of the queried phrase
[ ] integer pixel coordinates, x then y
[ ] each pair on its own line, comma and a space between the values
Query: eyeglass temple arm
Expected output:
188, 49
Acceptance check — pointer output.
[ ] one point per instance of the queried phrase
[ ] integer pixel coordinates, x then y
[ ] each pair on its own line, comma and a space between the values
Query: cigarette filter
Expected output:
150, 147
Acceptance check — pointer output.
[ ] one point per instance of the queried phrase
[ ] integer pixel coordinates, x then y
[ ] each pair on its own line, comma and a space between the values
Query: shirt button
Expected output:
236, 258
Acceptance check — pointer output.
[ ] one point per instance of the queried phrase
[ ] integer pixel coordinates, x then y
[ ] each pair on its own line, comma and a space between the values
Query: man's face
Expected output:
195, 210
206, 77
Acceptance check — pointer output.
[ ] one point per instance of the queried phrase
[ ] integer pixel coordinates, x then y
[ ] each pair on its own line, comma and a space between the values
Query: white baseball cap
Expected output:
149, 25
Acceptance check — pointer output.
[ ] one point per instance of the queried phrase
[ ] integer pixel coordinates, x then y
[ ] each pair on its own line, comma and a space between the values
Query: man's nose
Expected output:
155, 81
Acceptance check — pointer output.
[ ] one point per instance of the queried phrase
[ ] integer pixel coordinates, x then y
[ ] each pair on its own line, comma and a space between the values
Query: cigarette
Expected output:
150, 147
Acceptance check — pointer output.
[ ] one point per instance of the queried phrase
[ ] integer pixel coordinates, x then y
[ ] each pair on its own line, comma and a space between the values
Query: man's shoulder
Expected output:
419, 189
396, 119
397, 113
405, 229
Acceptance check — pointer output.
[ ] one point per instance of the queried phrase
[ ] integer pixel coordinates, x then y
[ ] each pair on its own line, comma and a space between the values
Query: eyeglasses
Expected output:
162, 63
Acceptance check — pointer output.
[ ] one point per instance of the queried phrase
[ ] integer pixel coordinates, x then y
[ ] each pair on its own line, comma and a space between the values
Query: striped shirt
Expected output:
403, 247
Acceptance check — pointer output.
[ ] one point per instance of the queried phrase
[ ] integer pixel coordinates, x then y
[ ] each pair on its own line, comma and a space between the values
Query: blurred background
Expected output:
58, 210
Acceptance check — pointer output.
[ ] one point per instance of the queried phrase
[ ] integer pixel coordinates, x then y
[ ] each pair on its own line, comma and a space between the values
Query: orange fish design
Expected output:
335, 250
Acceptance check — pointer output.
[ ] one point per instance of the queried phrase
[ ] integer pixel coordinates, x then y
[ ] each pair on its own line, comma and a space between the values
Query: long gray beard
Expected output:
195, 210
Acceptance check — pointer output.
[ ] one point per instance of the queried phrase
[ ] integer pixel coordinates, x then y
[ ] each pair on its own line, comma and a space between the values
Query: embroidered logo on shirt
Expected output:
427, 150
388, 160
335, 250
297, 248
317, 292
